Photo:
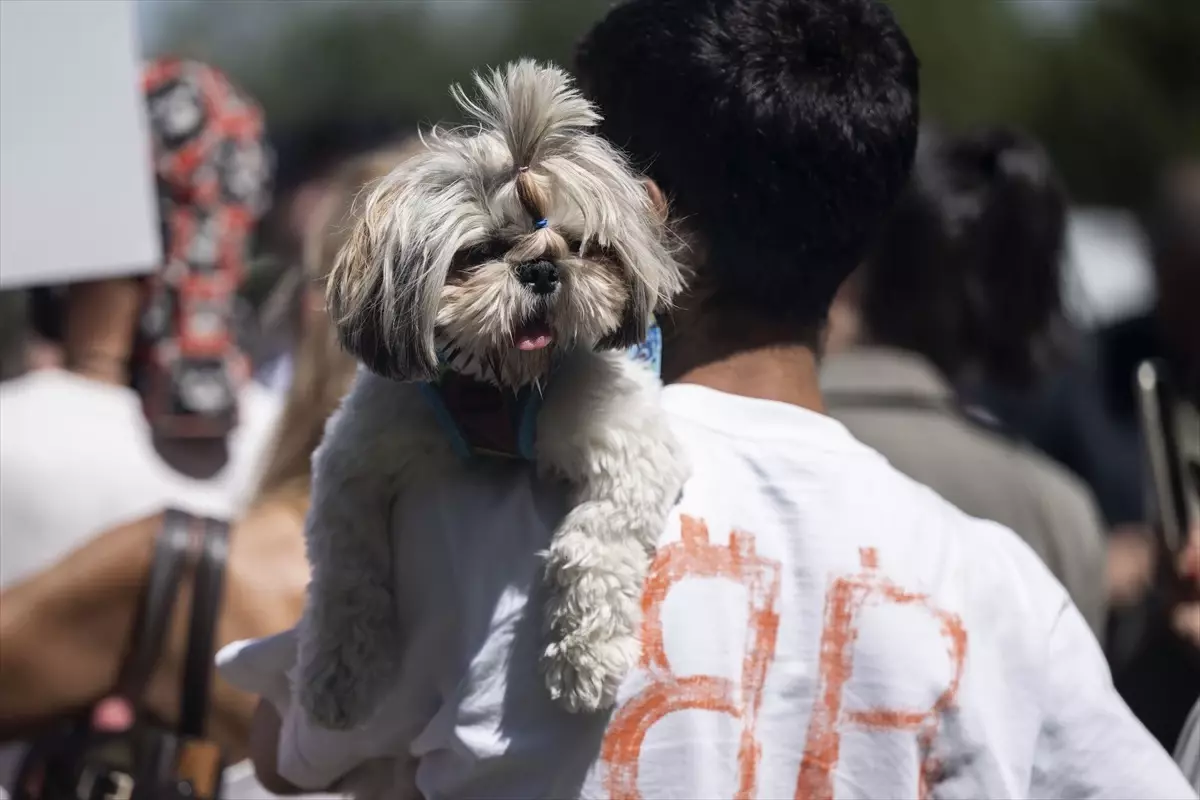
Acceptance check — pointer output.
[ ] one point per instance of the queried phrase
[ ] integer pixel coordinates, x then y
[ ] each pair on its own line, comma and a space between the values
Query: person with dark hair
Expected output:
965, 281
967, 272
1172, 332
1160, 673
307, 161
814, 623
15, 333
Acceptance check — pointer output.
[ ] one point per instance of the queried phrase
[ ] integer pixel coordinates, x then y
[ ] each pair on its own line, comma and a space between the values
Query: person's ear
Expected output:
658, 200
844, 326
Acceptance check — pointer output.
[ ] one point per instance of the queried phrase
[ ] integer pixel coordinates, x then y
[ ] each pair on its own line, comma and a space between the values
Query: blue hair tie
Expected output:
541, 223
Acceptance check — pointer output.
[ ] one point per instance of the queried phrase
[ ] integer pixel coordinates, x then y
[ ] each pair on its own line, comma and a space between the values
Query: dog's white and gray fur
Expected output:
432, 268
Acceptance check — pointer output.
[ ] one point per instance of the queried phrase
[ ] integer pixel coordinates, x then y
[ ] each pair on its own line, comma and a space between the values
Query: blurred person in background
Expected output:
24, 346
965, 280
1160, 677
1084, 413
309, 162
135, 421
1171, 329
64, 630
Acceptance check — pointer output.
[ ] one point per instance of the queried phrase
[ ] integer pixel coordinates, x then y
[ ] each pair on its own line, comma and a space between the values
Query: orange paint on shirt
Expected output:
695, 557
846, 598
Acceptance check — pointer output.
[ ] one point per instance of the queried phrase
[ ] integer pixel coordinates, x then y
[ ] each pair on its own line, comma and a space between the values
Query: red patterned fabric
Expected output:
213, 169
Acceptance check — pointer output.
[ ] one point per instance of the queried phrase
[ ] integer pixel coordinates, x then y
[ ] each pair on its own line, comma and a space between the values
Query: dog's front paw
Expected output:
584, 677
592, 616
332, 694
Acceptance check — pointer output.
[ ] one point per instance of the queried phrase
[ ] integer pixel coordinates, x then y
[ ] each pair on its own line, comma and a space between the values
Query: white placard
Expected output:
76, 187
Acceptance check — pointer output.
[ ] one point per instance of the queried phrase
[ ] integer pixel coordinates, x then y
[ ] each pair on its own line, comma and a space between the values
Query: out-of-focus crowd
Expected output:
948, 351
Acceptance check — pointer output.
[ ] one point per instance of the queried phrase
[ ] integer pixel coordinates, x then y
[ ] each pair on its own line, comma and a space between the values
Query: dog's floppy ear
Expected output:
390, 336
635, 323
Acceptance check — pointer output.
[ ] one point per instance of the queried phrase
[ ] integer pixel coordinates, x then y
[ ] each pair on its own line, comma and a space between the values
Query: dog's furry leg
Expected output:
603, 429
351, 643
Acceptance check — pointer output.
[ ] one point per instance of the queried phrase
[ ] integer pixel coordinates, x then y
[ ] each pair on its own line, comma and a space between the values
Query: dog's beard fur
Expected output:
482, 314
431, 268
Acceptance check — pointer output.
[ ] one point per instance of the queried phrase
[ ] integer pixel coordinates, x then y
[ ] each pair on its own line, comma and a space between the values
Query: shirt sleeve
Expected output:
1187, 752
310, 757
1081, 548
313, 758
1090, 744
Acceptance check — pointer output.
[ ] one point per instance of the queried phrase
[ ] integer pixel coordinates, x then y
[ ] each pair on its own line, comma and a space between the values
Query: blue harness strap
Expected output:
445, 420
526, 405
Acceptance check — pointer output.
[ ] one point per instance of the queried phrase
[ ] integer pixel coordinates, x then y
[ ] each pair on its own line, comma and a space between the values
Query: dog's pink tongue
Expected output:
534, 336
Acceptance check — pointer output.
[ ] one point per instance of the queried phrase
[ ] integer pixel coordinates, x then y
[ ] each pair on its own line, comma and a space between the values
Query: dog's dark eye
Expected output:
482, 253
594, 251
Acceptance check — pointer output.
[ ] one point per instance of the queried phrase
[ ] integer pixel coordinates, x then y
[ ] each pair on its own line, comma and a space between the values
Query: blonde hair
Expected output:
321, 368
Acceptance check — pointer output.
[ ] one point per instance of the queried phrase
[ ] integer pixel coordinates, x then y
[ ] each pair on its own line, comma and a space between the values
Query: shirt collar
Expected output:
879, 371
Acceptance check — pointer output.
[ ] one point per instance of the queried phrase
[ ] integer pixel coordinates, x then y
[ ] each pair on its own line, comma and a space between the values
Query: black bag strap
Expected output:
208, 583
171, 550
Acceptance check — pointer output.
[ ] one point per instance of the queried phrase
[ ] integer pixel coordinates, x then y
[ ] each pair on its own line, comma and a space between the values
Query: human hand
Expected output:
1185, 619
1131, 563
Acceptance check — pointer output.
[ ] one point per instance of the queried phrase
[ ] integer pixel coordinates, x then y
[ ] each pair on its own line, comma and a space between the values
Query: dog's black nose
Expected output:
540, 276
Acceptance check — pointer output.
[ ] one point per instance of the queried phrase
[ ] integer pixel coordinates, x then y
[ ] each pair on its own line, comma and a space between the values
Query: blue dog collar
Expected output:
649, 352
527, 404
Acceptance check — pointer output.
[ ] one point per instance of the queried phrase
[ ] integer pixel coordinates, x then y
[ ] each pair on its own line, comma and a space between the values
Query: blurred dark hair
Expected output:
312, 152
14, 332
967, 270
781, 131
47, 311
1173, 221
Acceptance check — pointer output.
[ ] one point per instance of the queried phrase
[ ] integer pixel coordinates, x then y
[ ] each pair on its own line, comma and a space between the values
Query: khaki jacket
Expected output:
899, 404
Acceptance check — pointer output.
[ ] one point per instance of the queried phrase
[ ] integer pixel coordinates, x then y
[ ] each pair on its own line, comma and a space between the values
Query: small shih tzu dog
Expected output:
515, 259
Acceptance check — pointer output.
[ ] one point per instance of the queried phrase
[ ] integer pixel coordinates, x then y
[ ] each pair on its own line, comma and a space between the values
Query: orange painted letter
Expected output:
847, 596
694, 557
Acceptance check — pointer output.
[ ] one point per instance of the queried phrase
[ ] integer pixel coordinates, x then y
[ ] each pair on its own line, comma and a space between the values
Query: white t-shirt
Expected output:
816, 625
76, 458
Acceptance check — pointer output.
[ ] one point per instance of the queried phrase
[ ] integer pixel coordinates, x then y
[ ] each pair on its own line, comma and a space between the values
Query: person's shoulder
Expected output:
1062, 495
983, 560
755, 424
49, 391
52, 418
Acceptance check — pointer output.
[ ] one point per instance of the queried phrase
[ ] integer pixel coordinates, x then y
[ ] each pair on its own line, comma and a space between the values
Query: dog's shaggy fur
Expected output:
438, 269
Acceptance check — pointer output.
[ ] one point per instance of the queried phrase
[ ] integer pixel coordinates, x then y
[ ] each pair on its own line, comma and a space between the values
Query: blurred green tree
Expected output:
1121, 99
1115, 94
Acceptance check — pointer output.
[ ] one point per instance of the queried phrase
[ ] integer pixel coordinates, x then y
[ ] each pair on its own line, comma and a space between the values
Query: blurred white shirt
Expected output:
76, 458
815, 625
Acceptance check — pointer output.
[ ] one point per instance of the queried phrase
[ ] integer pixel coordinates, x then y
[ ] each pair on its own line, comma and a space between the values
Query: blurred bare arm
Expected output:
64, 632
264, 750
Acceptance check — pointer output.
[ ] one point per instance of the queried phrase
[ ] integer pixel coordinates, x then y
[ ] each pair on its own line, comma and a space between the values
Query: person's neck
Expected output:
743, 357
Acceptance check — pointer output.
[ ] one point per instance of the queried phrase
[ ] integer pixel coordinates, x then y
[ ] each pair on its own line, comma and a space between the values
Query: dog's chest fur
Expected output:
599, 428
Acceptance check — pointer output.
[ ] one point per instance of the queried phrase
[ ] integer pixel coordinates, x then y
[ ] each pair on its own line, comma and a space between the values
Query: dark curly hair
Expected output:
781, 130
967, 270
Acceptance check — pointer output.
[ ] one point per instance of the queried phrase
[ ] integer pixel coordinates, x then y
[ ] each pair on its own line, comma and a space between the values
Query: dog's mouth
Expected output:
534, 334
